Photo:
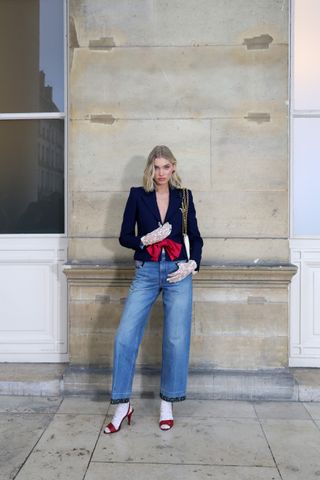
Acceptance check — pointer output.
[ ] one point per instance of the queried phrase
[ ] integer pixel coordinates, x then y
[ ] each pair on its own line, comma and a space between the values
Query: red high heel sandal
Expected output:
112, 428
166, 422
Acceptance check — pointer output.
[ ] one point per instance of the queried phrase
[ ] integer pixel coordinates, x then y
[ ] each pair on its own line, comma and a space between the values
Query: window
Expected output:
306, 119
32, 116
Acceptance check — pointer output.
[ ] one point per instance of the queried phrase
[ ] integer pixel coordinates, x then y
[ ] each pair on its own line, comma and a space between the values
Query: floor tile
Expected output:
64, 450
295, 445
195, 408
84, 405
281, 410
314, 409
29, 404
116, 471
19, 433
192, 440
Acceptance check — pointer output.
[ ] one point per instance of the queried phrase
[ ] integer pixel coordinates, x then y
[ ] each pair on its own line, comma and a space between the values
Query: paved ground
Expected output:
53, 438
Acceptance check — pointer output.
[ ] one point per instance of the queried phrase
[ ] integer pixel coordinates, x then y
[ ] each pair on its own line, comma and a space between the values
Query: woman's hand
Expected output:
185, 268
157, 235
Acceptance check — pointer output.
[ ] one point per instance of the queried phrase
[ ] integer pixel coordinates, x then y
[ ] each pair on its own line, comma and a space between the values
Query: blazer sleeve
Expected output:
128, 237
195, 239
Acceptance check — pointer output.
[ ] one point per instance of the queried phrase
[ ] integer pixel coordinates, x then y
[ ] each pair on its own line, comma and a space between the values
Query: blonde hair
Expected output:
160, 151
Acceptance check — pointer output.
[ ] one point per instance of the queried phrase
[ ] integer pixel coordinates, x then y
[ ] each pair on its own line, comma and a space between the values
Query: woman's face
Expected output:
163, 170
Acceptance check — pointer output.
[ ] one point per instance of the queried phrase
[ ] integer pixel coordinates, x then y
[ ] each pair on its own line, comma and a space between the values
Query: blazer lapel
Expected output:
150, 201
174, 203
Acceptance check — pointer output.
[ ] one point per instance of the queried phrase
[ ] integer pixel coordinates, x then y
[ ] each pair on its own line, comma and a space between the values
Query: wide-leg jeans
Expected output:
151, 279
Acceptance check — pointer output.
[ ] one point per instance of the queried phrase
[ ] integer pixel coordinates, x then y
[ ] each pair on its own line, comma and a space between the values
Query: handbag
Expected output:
184, 209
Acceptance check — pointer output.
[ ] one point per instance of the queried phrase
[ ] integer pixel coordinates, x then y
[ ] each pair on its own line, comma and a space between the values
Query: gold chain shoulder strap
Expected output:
184, 210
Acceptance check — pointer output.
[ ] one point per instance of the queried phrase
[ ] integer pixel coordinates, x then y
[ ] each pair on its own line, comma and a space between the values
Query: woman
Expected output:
161, 265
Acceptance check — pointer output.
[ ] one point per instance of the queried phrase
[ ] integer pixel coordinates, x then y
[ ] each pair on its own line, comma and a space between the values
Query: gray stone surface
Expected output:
296, 447
313, 409
114, 471
111, 158
31, 379
184, 22
19, 433
220, 439
234, 442
284, 410
64, 449
179, 82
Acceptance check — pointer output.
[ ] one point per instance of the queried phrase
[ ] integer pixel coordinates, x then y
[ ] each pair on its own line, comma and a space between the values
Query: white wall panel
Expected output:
305, 304
33, 299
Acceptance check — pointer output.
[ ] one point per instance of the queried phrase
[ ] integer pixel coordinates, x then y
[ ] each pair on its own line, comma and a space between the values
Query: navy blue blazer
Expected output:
142, 211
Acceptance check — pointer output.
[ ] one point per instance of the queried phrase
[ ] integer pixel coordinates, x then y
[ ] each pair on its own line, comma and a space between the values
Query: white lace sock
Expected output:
165, 412
121, 411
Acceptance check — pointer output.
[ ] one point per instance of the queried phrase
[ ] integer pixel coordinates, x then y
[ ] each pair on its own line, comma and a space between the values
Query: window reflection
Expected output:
306, 63
32, 59
32, 176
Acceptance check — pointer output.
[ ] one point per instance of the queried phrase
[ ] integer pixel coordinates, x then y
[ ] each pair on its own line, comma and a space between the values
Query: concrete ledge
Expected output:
40, 379
289, 384
209, 275
218, 384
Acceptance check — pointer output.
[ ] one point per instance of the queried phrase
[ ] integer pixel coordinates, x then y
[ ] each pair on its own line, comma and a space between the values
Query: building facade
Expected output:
211, 80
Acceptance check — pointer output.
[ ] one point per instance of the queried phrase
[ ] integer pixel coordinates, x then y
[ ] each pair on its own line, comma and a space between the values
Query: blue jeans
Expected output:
149, 281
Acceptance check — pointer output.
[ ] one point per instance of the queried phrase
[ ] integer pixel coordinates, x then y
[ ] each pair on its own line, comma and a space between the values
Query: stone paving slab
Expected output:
29, 404
281, 410
239, 440
19, 433
313, 409
84, 405
193, 440
64, 450
295, 445
116, 471
194, 408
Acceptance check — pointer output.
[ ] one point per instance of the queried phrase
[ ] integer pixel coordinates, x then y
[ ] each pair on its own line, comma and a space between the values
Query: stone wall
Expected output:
209, 79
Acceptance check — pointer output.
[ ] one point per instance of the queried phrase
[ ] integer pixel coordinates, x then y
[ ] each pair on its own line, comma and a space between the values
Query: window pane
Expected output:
306, 174
32, 176
306, 55
32, 56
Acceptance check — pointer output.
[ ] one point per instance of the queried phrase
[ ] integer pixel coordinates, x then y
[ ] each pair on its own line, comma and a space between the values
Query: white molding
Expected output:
34, 358
304, 362
33, 116
304, 304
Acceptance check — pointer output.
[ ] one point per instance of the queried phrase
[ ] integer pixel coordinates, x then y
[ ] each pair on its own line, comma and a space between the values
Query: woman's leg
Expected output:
177, 301
142, 294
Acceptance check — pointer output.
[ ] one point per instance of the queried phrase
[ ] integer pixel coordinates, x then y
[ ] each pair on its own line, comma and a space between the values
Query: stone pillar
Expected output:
209, 79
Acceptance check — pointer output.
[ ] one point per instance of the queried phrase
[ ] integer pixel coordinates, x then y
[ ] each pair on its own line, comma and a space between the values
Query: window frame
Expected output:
293, 114
48, 116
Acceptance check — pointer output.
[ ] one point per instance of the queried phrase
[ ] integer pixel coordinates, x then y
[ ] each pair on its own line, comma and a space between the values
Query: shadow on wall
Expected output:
109, 312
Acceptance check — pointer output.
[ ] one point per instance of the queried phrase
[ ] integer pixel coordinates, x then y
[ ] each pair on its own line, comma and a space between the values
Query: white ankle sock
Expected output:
165, 412
121, 411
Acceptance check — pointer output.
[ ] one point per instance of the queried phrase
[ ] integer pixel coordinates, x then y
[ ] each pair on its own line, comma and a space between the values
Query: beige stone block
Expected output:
244, 250
215, 251
178, 82
94, 348
97, 214
222, 214
112, 157
98, 250
239, 352
249, 155
182, 22
252, 320
242, 214
240, 294
94, 293
104, 317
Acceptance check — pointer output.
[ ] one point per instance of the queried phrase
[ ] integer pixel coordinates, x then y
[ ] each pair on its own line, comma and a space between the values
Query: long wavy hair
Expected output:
160, 151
